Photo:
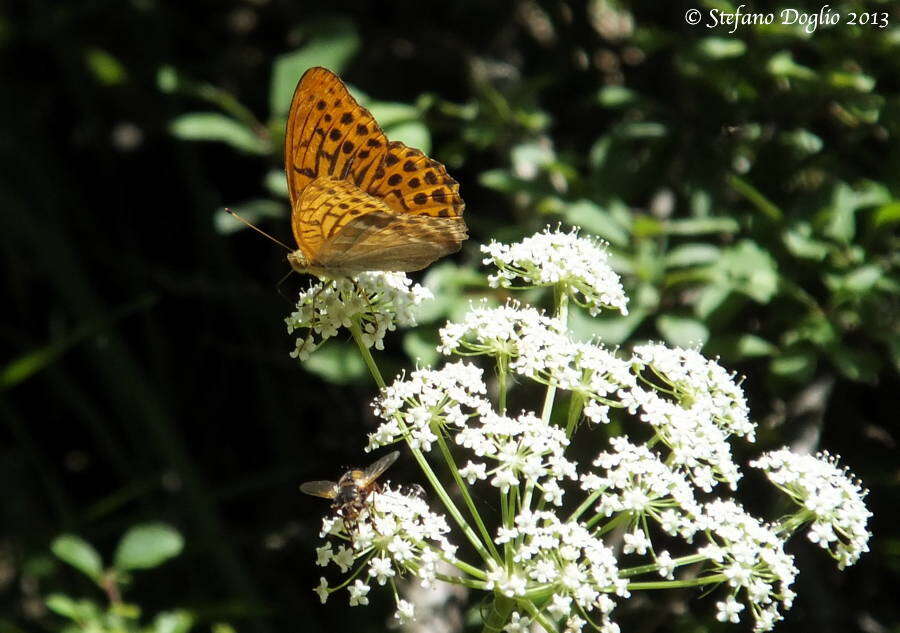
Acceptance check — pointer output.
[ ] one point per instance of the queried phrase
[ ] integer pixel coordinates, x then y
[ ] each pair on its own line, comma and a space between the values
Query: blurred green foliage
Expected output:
748, 185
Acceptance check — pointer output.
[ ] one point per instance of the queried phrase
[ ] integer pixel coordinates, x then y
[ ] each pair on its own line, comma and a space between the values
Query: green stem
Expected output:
501, 608
536, 615
366, 354
587, 503
675, 584
502, 364
575, 407
417, 453
561, 295
645, 569
464, 490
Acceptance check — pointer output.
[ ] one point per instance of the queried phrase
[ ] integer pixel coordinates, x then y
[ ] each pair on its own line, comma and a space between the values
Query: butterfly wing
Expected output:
331, 139
349, 231
392, 242
324, 489
329, 134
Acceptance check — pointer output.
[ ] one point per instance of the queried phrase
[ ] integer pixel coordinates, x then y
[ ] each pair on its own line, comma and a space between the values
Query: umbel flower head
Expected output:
575, 537
377, 302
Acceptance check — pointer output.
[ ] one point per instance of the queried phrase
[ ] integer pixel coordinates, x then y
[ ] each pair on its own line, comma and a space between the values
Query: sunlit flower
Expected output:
831, 495
380, 301
555, 258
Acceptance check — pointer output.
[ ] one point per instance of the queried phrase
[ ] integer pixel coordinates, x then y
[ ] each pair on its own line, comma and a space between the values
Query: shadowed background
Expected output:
748, 185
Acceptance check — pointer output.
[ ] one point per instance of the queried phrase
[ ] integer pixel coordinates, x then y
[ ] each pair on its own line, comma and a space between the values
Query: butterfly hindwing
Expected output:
347, 230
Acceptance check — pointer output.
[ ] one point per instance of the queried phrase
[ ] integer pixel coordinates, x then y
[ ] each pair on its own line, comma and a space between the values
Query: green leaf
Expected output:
682, 331
79, 554
413, 133
615, 96
276, 183
611, 330
749, 269
855, 364
800, 243
738, 347
721, 47
692, 255
421, 348
179, 621
700, 226
886, 215
252, 210
213, 126
65, 606
332, 45
782, 64
797, 365
593, 219
106, 68
147, 546
337, 362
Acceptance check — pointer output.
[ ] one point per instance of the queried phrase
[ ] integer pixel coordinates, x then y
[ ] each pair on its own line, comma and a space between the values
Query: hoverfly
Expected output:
352, 490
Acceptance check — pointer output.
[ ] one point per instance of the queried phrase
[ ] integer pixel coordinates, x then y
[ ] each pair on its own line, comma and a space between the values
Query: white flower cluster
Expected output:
695, 407
506, 331
637, 482
525, 450
830, 494
538, 347
380, 301
394, 533
751, 556
564, 557
554, 258
688, 408
416, 408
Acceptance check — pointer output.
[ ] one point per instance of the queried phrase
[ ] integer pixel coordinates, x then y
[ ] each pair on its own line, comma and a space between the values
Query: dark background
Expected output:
146, 369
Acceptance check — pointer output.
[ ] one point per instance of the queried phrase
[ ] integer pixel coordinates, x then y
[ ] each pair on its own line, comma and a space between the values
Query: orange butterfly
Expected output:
358, 201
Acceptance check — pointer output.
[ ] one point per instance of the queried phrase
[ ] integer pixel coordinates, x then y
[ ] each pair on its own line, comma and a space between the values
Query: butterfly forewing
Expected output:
325, 489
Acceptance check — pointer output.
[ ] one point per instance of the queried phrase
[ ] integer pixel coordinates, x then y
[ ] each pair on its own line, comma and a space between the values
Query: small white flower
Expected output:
322, 589
405, 612
517, 623
358, 591
636, 542
554, 258
324, 555
729, 610
380, 300
380, 569
666, 565
575, 624
560, 605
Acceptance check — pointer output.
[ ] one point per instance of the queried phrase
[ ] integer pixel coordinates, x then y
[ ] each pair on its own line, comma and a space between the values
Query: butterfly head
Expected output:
298, 261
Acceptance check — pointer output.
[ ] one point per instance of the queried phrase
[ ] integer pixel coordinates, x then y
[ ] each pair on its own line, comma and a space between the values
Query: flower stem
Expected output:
366, 354
464, 490
417, 453
645, 569
501, 608
537, 616
502, 365
561, 296
674, 584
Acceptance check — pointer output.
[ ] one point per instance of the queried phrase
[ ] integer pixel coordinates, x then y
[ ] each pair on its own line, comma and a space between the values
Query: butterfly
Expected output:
360, 202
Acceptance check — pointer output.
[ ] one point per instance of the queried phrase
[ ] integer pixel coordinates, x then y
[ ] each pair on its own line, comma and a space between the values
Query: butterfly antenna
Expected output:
258, 230
278, 287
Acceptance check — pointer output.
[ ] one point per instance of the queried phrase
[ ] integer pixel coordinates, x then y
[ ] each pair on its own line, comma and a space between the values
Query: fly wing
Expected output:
324, 489
372, 473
